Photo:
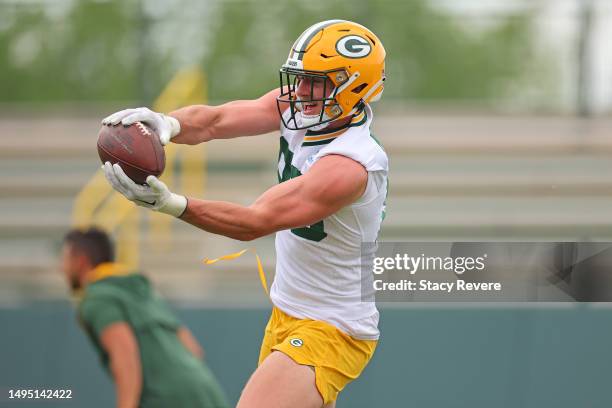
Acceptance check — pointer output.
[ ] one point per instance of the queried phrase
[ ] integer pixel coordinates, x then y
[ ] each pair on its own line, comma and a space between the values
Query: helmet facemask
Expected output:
330, 108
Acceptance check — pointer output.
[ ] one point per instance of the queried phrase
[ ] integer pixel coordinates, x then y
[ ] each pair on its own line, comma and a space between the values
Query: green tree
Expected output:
105, 50
93, 53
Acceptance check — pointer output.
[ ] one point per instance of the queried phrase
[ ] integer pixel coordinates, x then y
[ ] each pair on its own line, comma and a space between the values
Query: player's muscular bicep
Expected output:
331, 184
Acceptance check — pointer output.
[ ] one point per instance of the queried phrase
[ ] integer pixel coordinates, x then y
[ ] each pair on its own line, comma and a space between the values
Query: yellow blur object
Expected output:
262, 274
337, 358
348, 54
106, 270
97, 204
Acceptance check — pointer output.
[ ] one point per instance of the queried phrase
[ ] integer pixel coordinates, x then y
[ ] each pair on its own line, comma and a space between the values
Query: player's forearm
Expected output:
202, 123
128, 382
224, 218
198, 124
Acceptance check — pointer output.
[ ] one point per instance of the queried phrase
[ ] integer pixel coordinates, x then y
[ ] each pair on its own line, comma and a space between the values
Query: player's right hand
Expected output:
155, 195
165, 126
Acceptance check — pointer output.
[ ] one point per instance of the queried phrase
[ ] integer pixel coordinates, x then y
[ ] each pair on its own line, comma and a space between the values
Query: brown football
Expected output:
136, 148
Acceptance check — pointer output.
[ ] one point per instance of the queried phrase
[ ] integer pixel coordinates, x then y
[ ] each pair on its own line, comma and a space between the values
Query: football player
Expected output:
154, 360
330, 199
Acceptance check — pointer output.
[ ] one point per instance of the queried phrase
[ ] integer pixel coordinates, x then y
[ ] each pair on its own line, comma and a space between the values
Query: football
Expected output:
136, 148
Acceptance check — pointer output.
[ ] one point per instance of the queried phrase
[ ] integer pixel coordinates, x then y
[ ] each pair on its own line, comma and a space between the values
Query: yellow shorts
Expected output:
337, 358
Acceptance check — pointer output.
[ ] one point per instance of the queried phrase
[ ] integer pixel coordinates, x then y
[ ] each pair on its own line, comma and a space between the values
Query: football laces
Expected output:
143, 129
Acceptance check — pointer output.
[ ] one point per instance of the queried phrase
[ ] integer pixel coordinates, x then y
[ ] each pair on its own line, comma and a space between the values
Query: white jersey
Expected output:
318, 268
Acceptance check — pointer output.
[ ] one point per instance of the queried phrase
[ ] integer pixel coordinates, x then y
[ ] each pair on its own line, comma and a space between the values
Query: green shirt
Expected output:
172, 376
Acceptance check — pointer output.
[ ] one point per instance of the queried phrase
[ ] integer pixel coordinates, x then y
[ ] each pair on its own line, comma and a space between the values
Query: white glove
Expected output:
165, 126
155, 196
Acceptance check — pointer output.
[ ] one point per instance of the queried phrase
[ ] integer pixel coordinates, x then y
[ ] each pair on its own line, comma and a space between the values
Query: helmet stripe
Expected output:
302, 42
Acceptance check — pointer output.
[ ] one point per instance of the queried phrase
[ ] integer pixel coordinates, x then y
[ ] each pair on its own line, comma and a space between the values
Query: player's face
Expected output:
71, 265
319, 88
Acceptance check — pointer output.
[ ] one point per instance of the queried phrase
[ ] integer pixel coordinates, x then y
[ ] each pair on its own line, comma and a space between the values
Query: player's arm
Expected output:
189, 341
119, 342
200, 123
332, 182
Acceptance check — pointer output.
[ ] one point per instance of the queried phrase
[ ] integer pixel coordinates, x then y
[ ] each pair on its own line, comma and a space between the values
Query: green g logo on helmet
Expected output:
353, 46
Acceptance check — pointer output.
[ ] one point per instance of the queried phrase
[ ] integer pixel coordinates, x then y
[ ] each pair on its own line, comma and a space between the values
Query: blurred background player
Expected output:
330, 199
153, 359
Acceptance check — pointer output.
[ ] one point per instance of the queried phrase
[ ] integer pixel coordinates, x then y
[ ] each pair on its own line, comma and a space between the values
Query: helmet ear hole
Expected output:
359, 88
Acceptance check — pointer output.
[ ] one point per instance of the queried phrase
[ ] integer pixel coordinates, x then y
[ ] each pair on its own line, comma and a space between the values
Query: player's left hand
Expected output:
155, 196
165, 126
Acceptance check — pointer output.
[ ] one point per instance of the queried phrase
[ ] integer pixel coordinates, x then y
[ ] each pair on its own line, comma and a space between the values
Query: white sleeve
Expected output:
359, 147
376, 186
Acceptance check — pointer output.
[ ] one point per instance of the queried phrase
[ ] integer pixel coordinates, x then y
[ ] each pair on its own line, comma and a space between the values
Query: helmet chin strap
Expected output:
308, 120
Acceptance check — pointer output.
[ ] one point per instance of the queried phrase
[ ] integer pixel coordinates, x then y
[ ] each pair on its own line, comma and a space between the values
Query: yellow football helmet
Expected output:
345, 53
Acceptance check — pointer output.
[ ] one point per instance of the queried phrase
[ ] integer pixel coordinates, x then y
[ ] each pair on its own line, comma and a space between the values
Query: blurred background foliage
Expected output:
68, 50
